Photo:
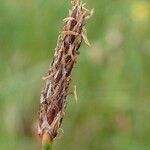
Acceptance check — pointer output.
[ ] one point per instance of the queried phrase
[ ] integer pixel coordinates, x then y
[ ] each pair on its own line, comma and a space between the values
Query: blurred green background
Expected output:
112, 77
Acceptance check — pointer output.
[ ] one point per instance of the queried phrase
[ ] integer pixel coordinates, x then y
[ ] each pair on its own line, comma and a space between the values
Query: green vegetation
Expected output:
112, 77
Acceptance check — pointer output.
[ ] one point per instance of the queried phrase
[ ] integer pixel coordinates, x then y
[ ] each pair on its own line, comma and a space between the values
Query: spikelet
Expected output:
58, 78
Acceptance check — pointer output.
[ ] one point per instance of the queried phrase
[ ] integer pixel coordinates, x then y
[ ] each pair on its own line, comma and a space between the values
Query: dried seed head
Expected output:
58, 78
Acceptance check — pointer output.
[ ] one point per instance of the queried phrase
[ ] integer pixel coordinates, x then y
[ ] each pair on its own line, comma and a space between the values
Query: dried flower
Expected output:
53, 96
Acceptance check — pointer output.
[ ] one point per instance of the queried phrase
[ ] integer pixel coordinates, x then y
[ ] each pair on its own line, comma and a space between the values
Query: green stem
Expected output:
47, 146
46, 142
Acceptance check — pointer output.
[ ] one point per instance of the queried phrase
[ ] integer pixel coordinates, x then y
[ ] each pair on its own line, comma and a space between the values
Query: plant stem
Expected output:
46, 142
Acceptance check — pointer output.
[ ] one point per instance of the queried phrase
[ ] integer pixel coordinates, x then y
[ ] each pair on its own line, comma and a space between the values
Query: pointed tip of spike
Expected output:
74, 2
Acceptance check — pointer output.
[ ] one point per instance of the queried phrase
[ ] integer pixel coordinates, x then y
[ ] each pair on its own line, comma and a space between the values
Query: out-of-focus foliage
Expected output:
112, 77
